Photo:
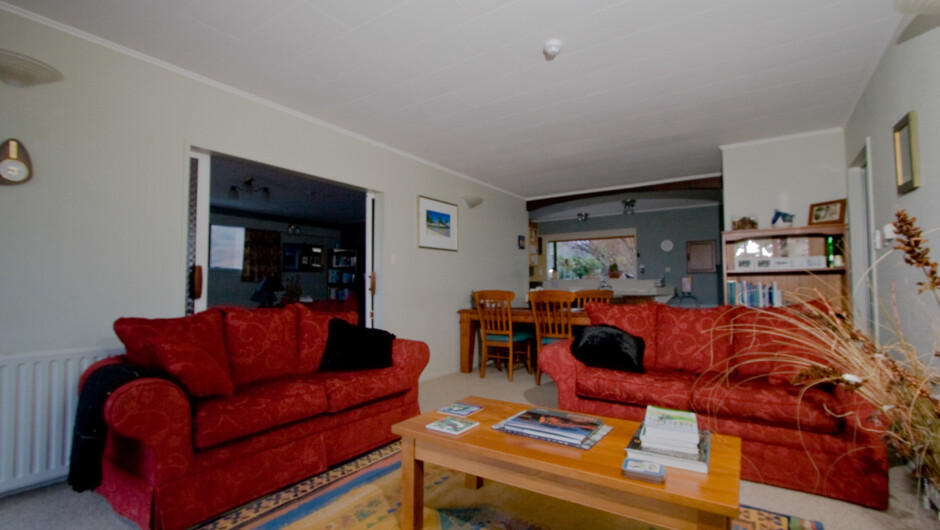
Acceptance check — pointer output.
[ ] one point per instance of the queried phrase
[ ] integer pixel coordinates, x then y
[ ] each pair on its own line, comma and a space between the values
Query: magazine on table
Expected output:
692, 462
565, 428
558, 425
452, 425
460, 409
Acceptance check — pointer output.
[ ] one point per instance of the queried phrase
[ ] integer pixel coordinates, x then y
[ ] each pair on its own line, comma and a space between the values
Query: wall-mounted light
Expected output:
471, 202
629, 206
582, 217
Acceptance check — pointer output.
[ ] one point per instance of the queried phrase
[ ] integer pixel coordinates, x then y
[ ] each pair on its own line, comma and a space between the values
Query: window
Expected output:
592, 257
226, 247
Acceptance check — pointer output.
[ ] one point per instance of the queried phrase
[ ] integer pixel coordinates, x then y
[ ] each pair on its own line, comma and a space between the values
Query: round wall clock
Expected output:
15, 166
666, 245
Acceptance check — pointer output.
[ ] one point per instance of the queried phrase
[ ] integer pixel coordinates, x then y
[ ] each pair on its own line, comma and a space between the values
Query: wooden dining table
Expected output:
470, 325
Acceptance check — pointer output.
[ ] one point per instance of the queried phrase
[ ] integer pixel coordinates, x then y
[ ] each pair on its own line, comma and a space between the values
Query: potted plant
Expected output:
614, 270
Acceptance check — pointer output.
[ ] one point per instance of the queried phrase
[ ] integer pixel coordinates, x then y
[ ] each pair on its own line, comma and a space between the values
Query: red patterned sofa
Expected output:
247, 409
715, 362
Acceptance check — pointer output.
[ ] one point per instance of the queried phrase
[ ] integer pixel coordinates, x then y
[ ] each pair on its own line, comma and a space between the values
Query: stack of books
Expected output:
554, 426
671, 438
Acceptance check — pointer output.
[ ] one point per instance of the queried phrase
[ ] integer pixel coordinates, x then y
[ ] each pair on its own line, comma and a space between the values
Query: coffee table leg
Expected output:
412, 486
472, 481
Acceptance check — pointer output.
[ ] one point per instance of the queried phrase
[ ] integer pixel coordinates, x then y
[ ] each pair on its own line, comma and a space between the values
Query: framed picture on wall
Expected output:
291, 257
700, 256
311, 258
906, 154
437, 224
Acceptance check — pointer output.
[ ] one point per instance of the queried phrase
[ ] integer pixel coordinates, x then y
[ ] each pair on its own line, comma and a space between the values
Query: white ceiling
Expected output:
643, 91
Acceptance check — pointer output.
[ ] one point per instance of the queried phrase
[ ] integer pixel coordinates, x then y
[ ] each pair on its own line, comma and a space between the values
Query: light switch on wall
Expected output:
889, 232
877, 240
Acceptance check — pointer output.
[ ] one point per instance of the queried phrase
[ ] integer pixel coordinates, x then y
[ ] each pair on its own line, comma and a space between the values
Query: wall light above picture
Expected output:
471, 202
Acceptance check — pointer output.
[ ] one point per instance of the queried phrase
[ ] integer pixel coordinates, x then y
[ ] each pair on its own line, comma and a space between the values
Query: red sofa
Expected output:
717, 363
247, 409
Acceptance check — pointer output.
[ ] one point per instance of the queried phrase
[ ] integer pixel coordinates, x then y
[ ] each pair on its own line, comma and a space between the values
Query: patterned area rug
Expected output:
365, 494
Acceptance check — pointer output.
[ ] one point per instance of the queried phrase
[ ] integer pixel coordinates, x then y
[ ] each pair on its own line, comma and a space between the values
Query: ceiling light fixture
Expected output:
629, 206
582, 217
19, 70
551, 48
249, 187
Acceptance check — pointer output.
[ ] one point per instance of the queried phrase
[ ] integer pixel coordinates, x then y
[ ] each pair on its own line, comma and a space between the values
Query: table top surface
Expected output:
717, 491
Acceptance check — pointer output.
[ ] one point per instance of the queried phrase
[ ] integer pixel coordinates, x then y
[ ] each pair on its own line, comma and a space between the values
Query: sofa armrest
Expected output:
411, 356
557, 361
857, 411
154, 413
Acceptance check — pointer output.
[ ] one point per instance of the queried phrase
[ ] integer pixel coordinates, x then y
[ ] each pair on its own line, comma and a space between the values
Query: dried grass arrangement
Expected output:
895, 379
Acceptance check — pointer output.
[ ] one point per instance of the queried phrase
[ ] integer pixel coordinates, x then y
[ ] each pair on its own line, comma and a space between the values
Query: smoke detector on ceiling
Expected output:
551, 48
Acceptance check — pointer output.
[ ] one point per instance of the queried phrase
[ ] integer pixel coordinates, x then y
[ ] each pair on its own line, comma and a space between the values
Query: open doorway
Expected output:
862, 226
276, 236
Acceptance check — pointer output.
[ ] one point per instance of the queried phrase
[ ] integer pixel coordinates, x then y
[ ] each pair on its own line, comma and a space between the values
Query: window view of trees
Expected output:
593, 258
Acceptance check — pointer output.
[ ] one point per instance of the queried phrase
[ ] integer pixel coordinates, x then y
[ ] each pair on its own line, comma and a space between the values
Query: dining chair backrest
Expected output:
551, 311
592, 295
495, 310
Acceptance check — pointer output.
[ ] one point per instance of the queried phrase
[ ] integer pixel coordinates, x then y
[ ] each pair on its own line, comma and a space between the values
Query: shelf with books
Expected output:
790, 261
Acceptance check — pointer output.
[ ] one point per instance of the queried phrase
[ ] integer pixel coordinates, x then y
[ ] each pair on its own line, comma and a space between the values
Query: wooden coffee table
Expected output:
591, 478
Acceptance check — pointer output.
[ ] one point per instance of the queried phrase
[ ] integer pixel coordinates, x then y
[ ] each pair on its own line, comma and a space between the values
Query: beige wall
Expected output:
787, 173
907, 78
99, 232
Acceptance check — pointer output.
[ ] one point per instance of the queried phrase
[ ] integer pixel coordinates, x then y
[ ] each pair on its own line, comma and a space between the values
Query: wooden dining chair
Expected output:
592, 295
497, 335
551, 311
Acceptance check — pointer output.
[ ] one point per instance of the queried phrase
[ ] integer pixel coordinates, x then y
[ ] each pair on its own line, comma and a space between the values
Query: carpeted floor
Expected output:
366, 494
57, 506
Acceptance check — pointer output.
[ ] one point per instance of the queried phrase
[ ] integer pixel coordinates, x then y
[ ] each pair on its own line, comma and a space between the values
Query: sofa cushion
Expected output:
202, 329
192, 366
638, 320
256, 408
606, 346
314, 330
692, 340
261, 343
345, 390
764, 402
669, 390
350, 347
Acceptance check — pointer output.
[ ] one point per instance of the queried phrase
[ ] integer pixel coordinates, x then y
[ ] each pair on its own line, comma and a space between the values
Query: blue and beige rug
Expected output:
366, 493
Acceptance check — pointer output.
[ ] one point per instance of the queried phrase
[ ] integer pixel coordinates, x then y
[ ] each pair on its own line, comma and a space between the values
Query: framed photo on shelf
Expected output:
437, 224
906, 154
830, 212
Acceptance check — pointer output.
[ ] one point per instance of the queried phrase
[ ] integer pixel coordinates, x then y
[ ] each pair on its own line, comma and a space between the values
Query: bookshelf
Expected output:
341, 276
796, 260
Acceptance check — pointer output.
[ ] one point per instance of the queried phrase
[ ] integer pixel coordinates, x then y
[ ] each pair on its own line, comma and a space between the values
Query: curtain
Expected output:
262, 255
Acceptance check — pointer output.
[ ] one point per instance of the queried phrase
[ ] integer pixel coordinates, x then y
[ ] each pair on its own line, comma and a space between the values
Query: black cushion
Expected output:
609, 347
349, 347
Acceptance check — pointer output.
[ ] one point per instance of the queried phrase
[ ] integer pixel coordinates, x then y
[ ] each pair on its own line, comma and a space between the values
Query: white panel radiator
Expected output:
38, 396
